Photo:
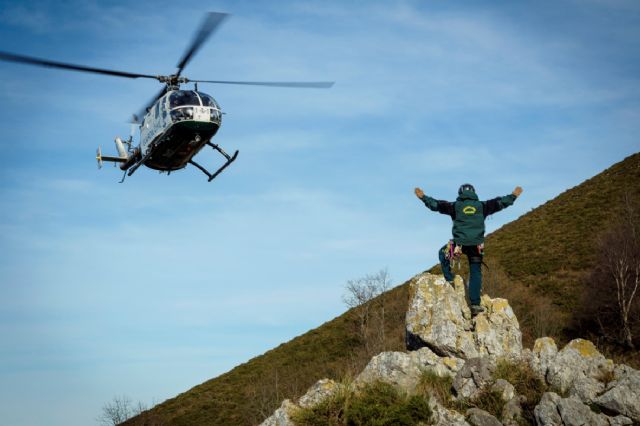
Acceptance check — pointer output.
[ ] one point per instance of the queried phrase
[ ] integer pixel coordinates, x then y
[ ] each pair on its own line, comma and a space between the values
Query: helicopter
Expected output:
175, 124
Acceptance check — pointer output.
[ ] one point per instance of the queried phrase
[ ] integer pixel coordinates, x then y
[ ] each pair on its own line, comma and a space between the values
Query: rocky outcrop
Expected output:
439, 318
583, 387
404, 370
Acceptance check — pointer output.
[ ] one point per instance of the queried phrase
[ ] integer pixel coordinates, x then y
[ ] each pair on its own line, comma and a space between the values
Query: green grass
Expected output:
439, 387
537, 262
526, 383
376, 404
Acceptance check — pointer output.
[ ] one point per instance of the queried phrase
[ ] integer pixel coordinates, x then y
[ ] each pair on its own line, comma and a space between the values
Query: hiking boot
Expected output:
476, 309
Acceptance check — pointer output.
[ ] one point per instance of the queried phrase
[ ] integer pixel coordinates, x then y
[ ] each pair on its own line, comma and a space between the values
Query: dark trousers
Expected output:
475, 270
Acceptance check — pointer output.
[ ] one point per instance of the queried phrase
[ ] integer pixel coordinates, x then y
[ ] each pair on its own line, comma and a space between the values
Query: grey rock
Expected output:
474, 375
497, 331
543, 354
620, 421
438, 317
622, 395
512, 412
575, 413
478, 417
546, 350
577, 369
546, 412
504, 388
427, 360
317, 393
396, 368
556, 411
404, 370
281, 416
445, 417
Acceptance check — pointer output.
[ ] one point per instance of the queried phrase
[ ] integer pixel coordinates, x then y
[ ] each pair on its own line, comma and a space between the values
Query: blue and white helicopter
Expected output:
176, 124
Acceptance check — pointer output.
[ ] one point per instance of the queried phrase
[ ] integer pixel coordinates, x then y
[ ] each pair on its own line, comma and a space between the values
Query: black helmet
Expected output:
466, 187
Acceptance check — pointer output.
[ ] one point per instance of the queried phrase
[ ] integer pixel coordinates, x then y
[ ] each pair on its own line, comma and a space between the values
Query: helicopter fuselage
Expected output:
176, 128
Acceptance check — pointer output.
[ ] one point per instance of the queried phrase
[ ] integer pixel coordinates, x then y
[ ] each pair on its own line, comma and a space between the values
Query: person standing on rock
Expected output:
468, 214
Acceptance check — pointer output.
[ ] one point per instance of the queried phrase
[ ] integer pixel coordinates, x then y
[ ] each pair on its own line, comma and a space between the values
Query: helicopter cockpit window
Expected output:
182, 98
208, 100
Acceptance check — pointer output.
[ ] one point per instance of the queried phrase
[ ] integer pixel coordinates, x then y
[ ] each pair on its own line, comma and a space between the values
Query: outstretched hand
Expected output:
419, 193
517, 191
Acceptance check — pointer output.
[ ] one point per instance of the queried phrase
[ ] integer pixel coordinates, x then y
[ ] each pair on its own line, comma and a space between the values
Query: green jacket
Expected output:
468, 214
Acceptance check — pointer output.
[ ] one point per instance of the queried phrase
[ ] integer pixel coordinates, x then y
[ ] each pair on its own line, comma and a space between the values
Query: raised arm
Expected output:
439, 206
499, 203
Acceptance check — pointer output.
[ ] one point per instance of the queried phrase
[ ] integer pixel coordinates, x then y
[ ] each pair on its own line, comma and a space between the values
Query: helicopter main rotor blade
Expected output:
12, 57
137, 118
211, 21
300, 84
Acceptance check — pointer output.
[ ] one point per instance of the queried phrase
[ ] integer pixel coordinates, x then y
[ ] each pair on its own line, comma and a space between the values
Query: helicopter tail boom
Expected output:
102, 158
125, 158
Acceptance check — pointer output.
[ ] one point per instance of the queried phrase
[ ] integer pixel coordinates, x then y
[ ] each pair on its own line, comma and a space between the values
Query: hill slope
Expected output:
543, 255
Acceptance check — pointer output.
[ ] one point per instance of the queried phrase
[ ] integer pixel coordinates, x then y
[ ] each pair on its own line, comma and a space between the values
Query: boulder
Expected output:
445, 417
478, 417
497, 331
317, 393
620, 421
622, 395
578, 370
280, 417
404, 370
512, 412
546, 412
556, 411
505, 389
472, 377
575, 413
543, 354
438, 317
396, 368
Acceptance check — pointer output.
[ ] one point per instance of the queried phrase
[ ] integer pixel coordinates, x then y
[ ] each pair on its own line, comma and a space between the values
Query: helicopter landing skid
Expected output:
230, 159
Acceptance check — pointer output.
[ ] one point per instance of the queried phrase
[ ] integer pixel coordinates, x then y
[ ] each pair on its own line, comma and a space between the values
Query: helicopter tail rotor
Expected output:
99, 157
123, 156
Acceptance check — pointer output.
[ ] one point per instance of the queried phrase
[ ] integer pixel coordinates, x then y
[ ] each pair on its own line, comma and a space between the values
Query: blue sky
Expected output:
153, 286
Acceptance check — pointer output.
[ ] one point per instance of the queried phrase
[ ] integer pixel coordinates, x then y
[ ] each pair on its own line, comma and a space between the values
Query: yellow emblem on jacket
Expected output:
469, 210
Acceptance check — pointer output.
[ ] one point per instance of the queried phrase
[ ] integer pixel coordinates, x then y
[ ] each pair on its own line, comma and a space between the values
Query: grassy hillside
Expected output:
537, 262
